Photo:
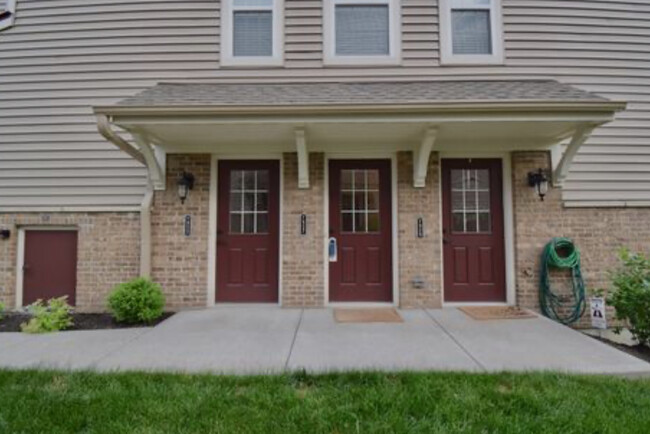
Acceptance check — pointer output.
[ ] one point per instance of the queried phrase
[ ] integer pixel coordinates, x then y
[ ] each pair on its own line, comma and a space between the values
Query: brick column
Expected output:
303, 279
419, 257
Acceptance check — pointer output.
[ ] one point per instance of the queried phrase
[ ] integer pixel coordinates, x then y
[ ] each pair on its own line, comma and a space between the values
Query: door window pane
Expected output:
470, 201
253, 33
360, 201
362, 30
249, 201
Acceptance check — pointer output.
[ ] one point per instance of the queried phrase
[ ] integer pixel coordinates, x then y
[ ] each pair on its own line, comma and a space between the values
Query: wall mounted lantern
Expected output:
539, 180
5, 233
185, 184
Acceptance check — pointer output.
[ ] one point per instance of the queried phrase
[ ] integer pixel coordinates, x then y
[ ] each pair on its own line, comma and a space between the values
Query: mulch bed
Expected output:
82, 321
639, 351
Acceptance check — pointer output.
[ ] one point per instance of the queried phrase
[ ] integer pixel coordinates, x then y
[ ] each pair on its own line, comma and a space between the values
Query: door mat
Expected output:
367, 315
497, 312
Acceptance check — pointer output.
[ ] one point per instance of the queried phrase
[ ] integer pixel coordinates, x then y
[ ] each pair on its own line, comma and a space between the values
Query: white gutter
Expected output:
145, 232
104, 128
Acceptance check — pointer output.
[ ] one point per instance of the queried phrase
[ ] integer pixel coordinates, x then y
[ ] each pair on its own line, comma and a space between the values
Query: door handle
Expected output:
25, 267
445, 240
332, 249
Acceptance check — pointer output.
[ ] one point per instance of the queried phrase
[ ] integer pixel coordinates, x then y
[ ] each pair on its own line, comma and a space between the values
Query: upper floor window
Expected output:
361, 32
251, 32
470, 32
7, 13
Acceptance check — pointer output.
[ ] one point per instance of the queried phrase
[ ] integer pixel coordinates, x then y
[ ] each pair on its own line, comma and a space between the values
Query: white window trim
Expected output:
329, 34
227, 27
9, 21
447, 56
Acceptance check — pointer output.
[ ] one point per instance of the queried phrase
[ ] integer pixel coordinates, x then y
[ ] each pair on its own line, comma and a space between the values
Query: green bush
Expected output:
631, 295
137, 301
50, 317
2, 310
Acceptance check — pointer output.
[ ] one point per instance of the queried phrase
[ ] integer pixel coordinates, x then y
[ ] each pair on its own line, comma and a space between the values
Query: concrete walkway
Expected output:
261, 339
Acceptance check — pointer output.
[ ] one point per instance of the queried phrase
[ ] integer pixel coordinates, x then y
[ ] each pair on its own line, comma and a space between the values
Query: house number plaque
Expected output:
420, 228
303, 224
188, 225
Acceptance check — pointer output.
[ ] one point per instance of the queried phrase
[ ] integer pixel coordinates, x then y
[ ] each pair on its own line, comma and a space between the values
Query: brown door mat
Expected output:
497, 312
367, 315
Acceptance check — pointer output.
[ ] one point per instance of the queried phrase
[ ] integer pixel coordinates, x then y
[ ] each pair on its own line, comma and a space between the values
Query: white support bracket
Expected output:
562, 161
104, 128
303, 158
421, 158
156, 173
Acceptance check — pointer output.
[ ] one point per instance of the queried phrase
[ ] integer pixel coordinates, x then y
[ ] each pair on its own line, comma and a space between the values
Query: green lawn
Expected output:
52, 402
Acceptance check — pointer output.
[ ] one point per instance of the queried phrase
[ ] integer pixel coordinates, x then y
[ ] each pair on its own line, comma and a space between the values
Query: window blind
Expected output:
362, 30
253, 33
471, 32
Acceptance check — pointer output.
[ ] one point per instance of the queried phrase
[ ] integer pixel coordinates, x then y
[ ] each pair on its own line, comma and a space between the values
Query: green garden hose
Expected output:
564, 309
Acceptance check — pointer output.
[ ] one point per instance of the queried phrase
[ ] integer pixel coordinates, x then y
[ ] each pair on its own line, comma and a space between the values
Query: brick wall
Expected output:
303, 279
179, 263
598, 232
418, 257
108, 252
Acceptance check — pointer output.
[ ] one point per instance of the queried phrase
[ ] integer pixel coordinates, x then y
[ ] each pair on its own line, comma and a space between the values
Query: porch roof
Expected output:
357, 93
423, 116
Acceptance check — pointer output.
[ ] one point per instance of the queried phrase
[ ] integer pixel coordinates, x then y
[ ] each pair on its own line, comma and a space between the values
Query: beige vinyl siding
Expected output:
64, 56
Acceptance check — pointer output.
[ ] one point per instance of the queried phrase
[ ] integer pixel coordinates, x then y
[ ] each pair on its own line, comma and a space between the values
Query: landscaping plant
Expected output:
2, 310
631, 295
50, 317
137, 301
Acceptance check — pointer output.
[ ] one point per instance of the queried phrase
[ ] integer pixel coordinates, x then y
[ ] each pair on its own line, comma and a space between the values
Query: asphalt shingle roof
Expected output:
421, 92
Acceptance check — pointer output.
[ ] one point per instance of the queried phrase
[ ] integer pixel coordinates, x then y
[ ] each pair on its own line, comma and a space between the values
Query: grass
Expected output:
56, 402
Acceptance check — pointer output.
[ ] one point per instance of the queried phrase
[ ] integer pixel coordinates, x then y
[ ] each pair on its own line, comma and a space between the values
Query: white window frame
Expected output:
329, 34
9, 21
447, 56
227, 27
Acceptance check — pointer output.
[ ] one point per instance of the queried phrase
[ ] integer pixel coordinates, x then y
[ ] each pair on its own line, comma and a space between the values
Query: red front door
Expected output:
248, 231
50, 265
473, 243
360, 227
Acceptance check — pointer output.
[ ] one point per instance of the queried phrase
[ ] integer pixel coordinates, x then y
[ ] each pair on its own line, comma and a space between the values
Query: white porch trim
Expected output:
303, 158
562, 160
421, 158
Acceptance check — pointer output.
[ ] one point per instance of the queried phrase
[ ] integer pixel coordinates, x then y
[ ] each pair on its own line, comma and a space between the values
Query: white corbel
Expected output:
104, 128
562, 161
303, 158
156, 173
421, 158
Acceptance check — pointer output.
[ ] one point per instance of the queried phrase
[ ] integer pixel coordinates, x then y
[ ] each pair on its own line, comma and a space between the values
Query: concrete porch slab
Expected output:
534, 344
227, 339
268, 339
416, 344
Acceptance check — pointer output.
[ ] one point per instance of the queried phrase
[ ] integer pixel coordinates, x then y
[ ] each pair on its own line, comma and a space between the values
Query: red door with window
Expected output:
360, 230
248, 231
473, 241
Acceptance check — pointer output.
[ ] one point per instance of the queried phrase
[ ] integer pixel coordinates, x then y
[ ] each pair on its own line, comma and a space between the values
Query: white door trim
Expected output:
20, 255
392, 156
508, 224
213, 213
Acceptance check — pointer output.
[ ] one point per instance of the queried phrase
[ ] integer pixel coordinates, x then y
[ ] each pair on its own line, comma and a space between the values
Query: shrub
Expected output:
50, 317
2, 310
631, 295
139, 300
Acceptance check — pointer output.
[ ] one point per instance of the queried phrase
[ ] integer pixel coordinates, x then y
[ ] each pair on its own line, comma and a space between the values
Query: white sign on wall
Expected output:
598, 319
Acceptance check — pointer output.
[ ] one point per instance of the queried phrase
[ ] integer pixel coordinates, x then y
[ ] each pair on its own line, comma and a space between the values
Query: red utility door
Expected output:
360, 222
248, 231
50, 265
473, 243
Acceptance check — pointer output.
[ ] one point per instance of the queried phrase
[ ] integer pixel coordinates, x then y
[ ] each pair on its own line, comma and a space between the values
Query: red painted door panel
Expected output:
248, 228
474, 253
50, 265
360, 221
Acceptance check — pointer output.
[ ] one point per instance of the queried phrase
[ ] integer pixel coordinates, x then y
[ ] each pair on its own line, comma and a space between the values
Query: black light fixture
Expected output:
185, 184
539, 180
5, 233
